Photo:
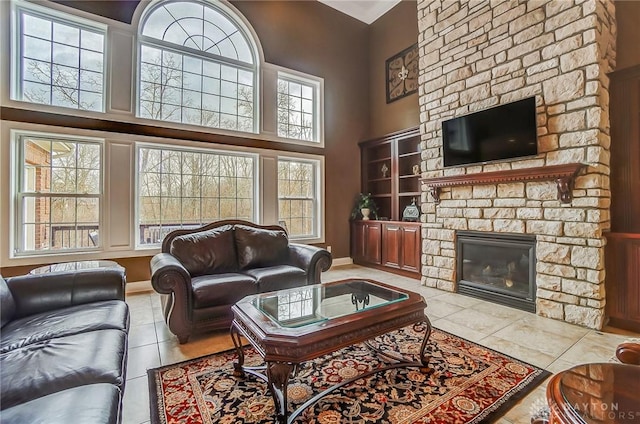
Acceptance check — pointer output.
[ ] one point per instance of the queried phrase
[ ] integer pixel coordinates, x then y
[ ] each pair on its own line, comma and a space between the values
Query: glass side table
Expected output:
599, 393
73, 266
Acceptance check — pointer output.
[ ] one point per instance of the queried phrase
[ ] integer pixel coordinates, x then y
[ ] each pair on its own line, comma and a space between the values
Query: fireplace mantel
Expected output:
563, 175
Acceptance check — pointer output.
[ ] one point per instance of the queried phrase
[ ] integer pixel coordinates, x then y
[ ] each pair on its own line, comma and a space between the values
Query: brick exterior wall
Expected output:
478, 54
37, 156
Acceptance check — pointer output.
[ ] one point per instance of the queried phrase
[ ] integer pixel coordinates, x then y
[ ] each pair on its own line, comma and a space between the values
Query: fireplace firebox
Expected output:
497, 267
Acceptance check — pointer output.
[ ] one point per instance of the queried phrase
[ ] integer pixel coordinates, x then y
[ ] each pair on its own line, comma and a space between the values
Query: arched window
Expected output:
197, 64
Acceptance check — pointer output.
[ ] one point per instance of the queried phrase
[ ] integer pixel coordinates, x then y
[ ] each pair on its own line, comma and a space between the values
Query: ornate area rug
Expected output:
469, 384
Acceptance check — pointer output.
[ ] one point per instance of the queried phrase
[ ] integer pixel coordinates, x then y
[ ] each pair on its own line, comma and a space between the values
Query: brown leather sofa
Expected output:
204, 271
63, 347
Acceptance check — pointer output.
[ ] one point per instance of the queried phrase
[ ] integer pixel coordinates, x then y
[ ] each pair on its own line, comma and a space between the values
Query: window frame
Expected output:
255, 68
18, 7
317, 197
17, 218
317, 84
180, 148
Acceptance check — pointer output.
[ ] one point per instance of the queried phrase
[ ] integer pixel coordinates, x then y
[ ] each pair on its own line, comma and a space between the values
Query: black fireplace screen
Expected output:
498, 267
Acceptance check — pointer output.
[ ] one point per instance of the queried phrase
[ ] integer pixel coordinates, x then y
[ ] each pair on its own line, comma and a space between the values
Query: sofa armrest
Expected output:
314, 260
171, 278
168, 274
45, 292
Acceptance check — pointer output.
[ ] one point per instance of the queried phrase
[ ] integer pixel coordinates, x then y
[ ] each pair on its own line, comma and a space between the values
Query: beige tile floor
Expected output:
547, 343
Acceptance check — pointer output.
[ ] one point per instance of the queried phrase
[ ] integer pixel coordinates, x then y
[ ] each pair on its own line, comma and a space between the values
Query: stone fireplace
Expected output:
479, 54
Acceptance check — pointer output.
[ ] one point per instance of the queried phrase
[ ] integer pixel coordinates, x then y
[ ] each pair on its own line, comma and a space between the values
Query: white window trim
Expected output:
319, 197
266, 184
136, 181
256, 93
17, 6
17, 158
318, 107
263, 85
256, 68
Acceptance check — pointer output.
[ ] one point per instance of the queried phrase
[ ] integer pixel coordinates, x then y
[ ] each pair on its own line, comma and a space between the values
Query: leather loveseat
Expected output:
203, 272
63, 347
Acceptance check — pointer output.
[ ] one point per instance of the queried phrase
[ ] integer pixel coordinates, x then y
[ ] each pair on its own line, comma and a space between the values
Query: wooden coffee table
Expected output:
289, 327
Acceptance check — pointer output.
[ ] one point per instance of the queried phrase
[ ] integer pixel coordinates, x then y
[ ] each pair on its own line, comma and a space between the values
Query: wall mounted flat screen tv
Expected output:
503, 132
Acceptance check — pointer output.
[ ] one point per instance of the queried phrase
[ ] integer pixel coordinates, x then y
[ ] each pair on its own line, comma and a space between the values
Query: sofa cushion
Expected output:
7, 305
111, 314
50, 366
221, 289
93, 403
38, 293
278, 277
258, 247
206, 252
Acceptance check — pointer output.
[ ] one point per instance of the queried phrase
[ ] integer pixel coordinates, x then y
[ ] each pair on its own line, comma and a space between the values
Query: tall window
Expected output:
59, 61
197, 65
297, 108
297, 191
187, 188
59, 194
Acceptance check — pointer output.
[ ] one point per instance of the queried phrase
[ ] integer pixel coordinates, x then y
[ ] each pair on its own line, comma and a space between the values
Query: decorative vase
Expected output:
365, 213
384, 170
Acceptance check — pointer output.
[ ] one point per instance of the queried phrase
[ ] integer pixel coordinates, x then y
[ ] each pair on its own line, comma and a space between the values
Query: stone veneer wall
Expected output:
478, 54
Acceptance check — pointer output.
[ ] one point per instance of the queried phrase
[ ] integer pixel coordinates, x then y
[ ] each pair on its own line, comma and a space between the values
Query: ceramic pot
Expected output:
365, 213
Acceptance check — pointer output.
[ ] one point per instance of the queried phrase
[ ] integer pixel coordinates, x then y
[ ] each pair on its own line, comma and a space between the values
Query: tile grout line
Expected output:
576, 342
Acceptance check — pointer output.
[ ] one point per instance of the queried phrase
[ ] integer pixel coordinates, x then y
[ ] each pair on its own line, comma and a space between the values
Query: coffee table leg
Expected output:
424, 358
278, 374
237, 342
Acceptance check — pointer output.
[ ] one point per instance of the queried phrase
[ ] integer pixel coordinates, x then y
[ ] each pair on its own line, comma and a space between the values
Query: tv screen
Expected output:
503, 132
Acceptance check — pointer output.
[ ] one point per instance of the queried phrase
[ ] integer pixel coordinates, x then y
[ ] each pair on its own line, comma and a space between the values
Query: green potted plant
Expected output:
364, 207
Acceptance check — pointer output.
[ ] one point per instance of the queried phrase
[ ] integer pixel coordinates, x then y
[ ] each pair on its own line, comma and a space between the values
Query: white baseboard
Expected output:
342, 262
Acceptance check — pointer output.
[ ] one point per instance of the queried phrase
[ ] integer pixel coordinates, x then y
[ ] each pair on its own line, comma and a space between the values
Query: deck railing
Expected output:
74, 236
153, 233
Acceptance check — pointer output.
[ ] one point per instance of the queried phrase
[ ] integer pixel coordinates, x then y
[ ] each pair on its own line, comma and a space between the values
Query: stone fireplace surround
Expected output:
478, 54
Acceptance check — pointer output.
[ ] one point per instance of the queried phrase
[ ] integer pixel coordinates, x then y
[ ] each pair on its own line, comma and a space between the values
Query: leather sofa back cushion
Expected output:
7, 305
260, 248
206, 252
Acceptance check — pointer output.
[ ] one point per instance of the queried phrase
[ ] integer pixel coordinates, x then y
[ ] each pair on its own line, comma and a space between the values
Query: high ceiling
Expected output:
366, 11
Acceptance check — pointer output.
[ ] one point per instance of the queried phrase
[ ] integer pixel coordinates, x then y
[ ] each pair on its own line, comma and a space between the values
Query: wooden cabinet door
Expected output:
401, 246
622, 256
358, 242
372, 245
391, 245
366, 242
622, 252
625, 150
410, 249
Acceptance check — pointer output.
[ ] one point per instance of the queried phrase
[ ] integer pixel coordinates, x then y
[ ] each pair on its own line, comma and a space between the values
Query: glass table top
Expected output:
74, 266
604, 393
307, 305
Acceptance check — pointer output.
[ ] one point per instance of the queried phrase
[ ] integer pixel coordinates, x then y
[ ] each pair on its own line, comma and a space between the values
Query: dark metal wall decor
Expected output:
402, 74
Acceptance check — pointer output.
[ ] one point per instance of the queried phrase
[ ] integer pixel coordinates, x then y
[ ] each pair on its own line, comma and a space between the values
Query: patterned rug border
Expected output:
487, 416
